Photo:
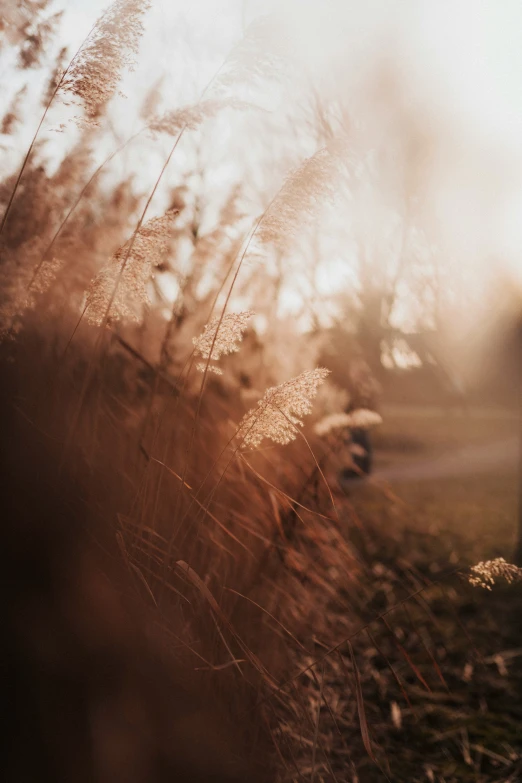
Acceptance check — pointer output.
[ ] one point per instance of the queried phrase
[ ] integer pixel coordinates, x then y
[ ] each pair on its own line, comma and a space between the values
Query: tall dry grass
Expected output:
147, 533
174, 539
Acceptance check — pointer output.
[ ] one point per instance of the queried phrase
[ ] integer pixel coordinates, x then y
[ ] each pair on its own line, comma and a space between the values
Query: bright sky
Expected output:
460, 59
467, 52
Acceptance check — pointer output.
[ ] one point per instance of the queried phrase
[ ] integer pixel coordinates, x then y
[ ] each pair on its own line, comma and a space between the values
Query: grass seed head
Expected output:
489, 572
220, 339
93, 76
125, 277
278, 414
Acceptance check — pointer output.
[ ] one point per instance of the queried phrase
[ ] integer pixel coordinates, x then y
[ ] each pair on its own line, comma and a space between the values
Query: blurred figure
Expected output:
360, 449
364, 391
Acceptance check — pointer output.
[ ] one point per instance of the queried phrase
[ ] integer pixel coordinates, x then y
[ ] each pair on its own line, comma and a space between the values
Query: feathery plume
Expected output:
192, 116
37, 39
18, 296
94, 73
211, 368
220, 339
485, 574
152, 99
278, 414
361, 418
130, 277
54, 79
308, 188
258, 57
28, 25
12, 116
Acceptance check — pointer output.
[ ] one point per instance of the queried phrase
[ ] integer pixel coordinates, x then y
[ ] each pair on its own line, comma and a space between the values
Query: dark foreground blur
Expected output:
90, 691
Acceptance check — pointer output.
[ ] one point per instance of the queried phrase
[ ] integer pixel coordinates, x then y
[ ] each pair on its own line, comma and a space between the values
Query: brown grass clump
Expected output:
99, 685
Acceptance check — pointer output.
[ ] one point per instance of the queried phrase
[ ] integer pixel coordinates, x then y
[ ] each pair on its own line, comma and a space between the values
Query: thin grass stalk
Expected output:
269, 614
394, 673
206, 505
194, 578
317, 465
222, 315
161, 367
97, 346
221, 477
320, 470
143, 480
127, 255
71, 337
74, 206
214, 489
189, 362
338, 645
316, 729
216, 297
319, 744
207, 363
151, 196
42, 120
284, 494
425, 647
187, 366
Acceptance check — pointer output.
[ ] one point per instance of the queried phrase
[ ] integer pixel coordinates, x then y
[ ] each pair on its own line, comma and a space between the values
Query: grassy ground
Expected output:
440, 675
456, 475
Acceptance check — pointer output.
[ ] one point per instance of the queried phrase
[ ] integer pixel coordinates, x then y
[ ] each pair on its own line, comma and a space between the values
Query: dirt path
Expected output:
497, 456
436, 411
